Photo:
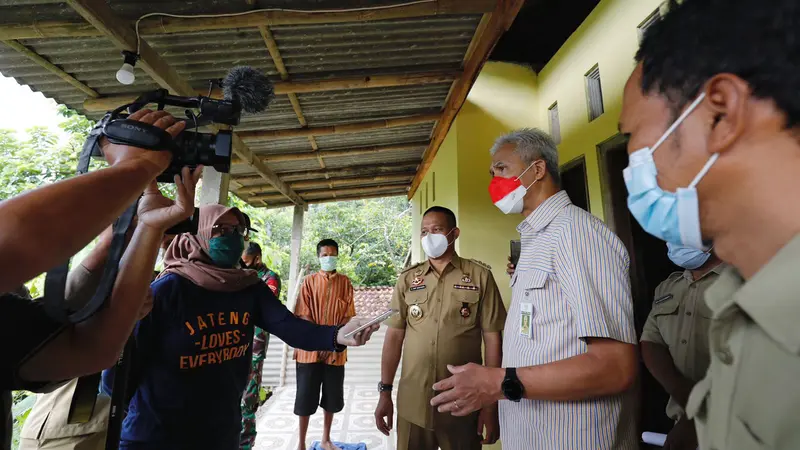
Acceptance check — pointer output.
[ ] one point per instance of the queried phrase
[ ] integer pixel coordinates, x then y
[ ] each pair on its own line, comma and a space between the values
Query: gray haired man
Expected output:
569, 350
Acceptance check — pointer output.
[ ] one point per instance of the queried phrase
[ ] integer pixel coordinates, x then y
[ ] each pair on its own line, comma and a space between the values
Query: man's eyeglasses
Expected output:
224, 230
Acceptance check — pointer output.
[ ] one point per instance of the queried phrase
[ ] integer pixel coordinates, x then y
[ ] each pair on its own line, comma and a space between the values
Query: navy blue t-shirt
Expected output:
193, 356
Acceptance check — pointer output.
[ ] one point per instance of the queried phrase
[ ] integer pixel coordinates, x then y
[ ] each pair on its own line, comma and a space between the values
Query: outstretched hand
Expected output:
161, 213
359, 338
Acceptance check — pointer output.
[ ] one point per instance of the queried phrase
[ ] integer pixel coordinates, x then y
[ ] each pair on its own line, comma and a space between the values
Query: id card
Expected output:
525, 316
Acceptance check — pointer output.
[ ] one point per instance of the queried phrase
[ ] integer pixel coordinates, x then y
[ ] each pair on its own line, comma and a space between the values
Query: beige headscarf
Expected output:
187, 256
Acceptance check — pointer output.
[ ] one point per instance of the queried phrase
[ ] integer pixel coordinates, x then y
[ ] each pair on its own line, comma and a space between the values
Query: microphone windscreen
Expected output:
248, 86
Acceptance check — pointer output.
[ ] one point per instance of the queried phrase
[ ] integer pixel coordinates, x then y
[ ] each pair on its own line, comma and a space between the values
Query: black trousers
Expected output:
312, 377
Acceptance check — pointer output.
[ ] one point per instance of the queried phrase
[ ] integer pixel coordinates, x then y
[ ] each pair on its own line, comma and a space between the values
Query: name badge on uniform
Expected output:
525, 316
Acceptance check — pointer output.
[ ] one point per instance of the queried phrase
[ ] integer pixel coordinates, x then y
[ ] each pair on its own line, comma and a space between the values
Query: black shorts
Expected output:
309, 379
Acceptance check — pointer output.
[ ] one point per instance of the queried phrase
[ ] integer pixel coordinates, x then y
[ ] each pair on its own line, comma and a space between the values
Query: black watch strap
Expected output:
512, 388
384, 387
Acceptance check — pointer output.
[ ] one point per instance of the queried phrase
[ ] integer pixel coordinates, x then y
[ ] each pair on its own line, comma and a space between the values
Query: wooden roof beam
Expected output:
350, 171
491, 27
338, 153
271, 198
166, 25
103, 104
398, 193
275, 54
57, 71
332, 183
357, 127
122, 34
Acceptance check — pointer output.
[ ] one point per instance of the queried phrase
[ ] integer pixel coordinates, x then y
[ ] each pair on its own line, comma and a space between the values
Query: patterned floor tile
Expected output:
278, 427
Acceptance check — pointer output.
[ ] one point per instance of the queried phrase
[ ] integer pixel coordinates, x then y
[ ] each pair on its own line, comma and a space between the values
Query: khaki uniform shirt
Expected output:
47, 421
750, 397
680, 321
444, 317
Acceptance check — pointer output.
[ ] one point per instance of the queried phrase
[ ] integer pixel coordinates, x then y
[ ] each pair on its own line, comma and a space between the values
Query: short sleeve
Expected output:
493, 311
592, 267
302, 308
351, 302
18, 343
398, 297
651, 332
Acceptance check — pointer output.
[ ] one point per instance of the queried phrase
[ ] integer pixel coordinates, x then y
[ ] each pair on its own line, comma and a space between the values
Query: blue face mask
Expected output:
670, 216
687, 257
225, 251
328, 263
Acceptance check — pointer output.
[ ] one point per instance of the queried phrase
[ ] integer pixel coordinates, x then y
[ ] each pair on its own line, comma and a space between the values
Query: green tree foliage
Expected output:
374, 237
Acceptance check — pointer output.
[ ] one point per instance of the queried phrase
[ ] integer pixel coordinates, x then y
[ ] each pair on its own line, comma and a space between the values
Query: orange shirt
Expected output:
325, 299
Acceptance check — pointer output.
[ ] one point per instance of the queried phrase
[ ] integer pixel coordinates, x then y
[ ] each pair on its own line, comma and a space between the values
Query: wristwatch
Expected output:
512, 388
384, 387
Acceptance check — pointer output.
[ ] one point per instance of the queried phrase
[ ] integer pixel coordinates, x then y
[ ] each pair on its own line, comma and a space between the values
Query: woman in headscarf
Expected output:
193, 350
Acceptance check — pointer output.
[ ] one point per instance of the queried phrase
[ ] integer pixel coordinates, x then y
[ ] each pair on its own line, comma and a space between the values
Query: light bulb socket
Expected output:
130, 57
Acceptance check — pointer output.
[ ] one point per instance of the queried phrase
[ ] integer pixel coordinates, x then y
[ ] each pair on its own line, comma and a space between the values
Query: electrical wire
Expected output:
255, 11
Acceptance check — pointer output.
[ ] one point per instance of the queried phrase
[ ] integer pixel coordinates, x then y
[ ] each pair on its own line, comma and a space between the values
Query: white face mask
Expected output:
435, 245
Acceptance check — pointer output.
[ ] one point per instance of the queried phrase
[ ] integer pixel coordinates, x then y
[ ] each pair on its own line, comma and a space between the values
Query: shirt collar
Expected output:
455, 262
327, 275
546, 212
717, 270
769, 298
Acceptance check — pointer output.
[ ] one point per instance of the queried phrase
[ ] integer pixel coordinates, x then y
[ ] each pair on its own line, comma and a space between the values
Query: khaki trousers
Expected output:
414, 437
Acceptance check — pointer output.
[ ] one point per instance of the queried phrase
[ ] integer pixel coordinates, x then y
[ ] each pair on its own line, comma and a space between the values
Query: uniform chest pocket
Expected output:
417, 305
463, 307
665, 306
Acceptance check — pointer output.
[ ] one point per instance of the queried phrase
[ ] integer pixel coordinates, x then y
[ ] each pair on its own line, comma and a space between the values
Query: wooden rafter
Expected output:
332, 183
492, 26
57, 71
350, 171
103, 104
271, 198
162, 25
401, 191
340, 153
275, 54
122, 34
265, 135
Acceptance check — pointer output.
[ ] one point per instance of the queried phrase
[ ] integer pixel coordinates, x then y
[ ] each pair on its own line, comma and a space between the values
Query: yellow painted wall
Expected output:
503, 99
607, 38
439, 187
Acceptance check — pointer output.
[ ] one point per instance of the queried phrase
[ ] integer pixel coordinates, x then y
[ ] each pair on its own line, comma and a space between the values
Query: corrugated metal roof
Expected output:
309, 52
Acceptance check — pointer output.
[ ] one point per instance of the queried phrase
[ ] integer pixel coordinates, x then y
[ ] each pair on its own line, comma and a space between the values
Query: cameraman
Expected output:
64, 217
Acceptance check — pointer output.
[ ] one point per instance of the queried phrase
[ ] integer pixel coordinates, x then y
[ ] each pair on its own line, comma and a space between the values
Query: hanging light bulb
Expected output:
125, 73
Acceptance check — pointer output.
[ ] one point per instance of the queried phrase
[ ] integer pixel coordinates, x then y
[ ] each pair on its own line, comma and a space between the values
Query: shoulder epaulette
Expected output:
412, 267
482, 264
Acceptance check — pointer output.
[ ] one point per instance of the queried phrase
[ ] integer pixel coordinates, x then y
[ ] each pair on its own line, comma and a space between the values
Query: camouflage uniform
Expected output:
251, 399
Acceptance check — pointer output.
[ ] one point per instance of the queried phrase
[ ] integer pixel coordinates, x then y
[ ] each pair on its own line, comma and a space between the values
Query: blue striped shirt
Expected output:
573, 274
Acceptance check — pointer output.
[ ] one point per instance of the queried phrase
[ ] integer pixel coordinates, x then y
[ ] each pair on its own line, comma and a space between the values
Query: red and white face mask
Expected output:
507, 193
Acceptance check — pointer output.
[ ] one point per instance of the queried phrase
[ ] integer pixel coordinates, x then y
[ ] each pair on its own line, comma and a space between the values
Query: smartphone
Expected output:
516, 249
372, 322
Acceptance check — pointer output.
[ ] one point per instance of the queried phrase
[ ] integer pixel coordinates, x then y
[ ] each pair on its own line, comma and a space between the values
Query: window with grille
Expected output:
651, 19
555, 125
594, 93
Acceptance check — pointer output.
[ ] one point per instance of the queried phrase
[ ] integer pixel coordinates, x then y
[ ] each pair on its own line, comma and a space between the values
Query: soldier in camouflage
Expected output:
251, 399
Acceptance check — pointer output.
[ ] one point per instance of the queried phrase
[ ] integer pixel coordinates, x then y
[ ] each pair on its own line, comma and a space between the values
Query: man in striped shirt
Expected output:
326, 298
568, 376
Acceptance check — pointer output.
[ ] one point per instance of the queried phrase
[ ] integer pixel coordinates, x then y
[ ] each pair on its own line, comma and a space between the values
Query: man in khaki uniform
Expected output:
674, 341
715, 89
446, 304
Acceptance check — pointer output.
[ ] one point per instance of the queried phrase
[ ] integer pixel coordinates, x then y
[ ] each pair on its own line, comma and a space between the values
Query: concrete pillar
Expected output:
294, 261
214, 189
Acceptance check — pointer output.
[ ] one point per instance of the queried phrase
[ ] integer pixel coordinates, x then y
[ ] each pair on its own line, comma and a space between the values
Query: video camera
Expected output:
244, 89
